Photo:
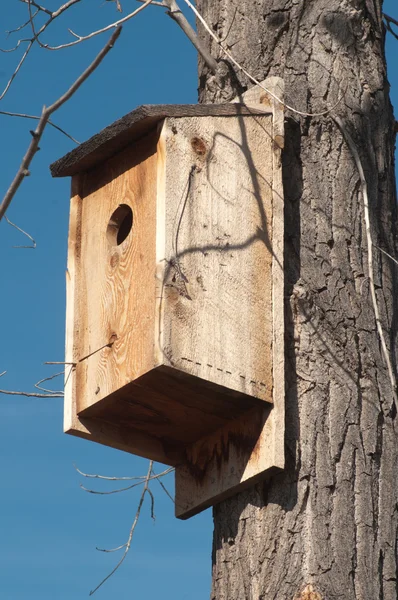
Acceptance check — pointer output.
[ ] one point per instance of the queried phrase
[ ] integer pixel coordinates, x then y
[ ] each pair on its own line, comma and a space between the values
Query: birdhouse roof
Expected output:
135, 125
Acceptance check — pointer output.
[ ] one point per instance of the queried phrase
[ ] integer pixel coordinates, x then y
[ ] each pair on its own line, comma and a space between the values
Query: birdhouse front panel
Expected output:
114, 273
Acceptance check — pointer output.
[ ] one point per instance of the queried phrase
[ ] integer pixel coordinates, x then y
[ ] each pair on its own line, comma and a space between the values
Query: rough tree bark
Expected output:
328, 523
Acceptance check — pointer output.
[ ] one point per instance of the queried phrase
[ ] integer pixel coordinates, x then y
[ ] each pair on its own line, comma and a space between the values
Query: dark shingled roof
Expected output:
134, 125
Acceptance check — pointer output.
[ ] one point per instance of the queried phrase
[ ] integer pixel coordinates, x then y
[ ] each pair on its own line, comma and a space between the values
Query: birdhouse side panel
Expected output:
115, 274
217, 287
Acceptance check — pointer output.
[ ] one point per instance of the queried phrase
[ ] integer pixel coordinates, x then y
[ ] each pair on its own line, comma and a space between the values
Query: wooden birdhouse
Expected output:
174, 328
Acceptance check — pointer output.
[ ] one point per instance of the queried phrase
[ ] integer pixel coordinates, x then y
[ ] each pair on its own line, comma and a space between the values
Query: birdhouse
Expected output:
174, 327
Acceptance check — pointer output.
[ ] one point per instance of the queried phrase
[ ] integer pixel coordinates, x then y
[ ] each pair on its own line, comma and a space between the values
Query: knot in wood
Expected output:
199, 146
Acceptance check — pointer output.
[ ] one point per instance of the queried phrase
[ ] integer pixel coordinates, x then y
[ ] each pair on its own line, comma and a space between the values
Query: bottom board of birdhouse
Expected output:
210, 469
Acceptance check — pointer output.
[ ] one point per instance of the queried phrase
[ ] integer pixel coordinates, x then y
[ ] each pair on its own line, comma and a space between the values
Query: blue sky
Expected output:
49, 526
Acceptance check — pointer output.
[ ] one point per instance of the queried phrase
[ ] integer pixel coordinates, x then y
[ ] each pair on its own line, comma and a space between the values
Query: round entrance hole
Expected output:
120, 225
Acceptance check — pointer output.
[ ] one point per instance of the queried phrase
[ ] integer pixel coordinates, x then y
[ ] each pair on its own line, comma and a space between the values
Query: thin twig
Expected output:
351, 144
38, 386
17, 69
152, 504
36, 118
111, 549
72, 367
109, 493
386, 253
10, 31
22, 231
31, 394
140, 481
48, 394
41, 8
388, 21
253, 79
7, 50
118, 5
30, 42
106, 478
23, 170
166, 490
128, 543
58, 362
83, 38
155, 3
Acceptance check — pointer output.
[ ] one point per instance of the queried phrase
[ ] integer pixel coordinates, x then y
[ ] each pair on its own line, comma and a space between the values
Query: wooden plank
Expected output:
171, 406
252, 447
276, 86
72, 312
114, 312
122, 438
131, 127
225, 462
217, 292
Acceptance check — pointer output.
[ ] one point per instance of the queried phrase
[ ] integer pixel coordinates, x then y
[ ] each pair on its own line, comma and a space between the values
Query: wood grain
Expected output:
116, 283
217, 314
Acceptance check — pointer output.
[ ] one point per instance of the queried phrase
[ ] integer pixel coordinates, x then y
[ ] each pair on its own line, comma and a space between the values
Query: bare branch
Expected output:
106, 478
23, 170
386, 253
128, 543
95, 476
111, 549
98, 493
139, 481
155, 3
5, 50
22, 231
17, 69
388, 20
31, 394
30, 42
57, 362
118, 5
152, 504
38, 386
47, 394
178, 16
40, 8
83, 38
9, 32
36, 118
53, 14
166, 491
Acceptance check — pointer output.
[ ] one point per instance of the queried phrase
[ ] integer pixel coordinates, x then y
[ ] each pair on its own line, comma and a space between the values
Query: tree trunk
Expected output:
328, 523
